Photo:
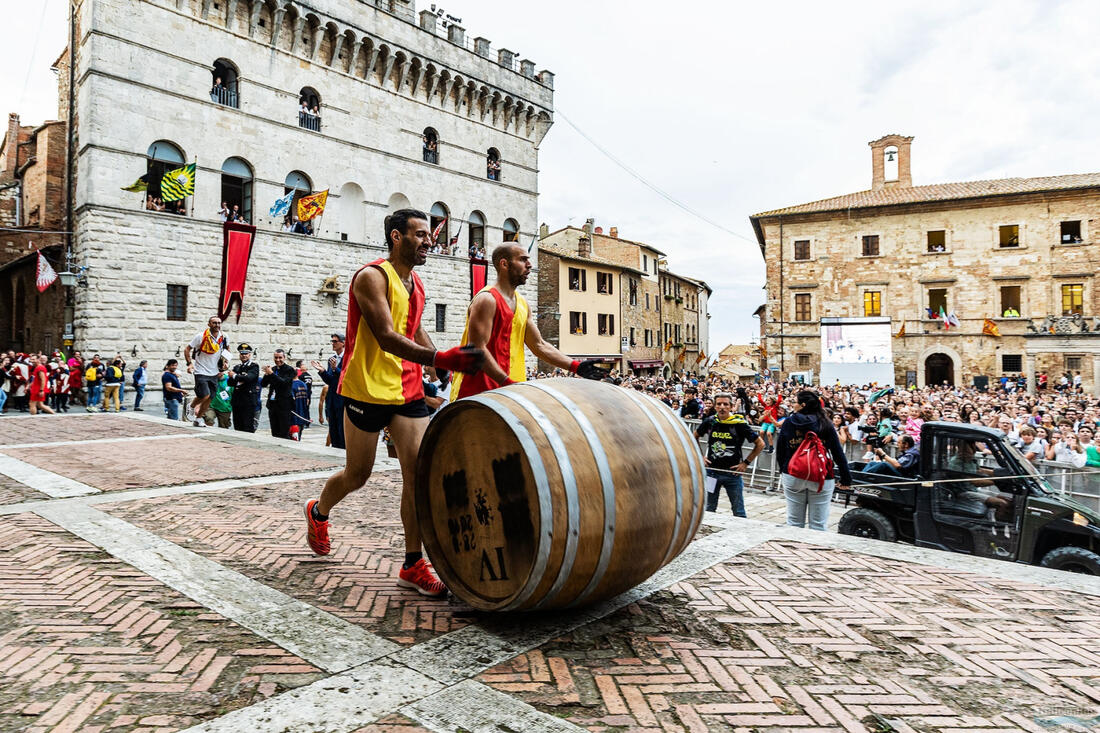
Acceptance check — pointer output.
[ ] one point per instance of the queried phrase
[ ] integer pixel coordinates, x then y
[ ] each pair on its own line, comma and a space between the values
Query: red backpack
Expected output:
811, 461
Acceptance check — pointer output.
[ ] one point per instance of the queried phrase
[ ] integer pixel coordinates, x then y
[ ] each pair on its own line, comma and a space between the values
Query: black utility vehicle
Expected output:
976, 494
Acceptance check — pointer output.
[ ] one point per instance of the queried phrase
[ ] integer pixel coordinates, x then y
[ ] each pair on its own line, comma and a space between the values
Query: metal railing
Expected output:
309, 121
224, 95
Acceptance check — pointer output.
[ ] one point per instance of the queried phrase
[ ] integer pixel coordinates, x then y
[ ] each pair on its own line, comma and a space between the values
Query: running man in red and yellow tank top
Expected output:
500, 321
382, 386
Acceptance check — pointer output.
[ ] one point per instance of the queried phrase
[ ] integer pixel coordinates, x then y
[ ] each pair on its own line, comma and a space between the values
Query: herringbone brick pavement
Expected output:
169, 462
796, 637
52, 428
89, 644
260, 532
13, 492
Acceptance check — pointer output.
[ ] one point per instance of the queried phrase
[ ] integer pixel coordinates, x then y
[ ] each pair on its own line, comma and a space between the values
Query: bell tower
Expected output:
890, 162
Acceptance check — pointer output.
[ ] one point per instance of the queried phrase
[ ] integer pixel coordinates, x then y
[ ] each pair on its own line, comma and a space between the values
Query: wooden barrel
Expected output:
555, 492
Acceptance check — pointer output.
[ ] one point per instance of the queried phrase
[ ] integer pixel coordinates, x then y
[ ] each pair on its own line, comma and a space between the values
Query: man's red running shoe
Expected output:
316, 531
420, 577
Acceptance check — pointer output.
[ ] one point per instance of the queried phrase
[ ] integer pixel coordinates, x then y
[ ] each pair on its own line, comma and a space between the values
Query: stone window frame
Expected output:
292, 310
1061, 285
440, 317
1084, 222
878, 311
168, 312
1021, 236
809, 249
1004, 366
860, 241
946, 241
809, 307
804, 360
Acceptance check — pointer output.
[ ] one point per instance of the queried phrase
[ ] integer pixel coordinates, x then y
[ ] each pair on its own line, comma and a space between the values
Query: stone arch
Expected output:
311, 32
939, 349
344, 60
351, 212
397, 201
288, 26
397, 71
443, 87
362, 59
263, 27
327, 46
385, 58
416, 72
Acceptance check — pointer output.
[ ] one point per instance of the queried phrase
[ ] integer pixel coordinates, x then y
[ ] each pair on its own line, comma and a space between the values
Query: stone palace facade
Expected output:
383, 107
1021, 252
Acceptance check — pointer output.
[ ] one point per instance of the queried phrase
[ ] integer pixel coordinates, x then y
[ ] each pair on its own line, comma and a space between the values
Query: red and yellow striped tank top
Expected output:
505, 346
369, 373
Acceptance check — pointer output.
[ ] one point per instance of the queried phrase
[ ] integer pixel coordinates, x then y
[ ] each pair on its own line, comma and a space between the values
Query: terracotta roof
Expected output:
593, 260
940, 192
606, 236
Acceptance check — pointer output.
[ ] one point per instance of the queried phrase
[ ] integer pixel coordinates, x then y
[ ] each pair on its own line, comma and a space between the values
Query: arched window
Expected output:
441, 215
225, 83
511, 230
237, 190
890, 163
430, 138
492, 164
309, 109
477, 234
300, 184
162, 157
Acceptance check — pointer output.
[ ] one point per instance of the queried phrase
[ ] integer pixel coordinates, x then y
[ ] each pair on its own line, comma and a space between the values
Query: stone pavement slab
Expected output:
87, 643
84, 426
260, 532
790, 636
164, 462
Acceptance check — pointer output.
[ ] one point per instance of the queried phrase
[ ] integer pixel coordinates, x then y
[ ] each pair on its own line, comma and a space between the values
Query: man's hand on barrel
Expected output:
465, 359
589, 369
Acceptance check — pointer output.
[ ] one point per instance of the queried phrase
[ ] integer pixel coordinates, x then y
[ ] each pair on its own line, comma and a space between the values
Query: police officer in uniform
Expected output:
245, 379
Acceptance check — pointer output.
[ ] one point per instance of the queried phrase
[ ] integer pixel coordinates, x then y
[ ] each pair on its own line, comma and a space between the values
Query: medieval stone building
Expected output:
1015, 251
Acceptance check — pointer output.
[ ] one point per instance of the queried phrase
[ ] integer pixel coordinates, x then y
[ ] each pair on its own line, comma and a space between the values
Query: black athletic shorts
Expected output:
205, 385
371, 418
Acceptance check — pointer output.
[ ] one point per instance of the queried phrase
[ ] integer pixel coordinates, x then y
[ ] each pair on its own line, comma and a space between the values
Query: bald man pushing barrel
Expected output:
500, 321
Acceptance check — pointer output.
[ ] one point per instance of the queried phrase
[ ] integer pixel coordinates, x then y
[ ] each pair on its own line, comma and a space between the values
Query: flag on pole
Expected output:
763, 351
901, 331
954, 319
989, 328
668, 345
312, 206
931, 314
879, 394
438, 229
534, 238
45, 275
178, 184
141, 184
943, 317
281, 207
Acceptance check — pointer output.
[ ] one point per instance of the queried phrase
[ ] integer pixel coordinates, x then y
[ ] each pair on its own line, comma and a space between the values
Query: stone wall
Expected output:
549, 320
972, 269
125, 304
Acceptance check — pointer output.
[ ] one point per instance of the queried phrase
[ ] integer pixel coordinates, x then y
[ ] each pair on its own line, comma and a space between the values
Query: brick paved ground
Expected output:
168, 462
51, 428
87, 643
785, 636
13, 492
260, 532
791, 636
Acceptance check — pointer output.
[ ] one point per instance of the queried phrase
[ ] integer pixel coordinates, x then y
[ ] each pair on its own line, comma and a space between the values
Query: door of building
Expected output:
938, 369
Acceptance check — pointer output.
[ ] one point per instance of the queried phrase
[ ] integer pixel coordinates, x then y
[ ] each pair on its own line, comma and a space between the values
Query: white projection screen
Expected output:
856, 351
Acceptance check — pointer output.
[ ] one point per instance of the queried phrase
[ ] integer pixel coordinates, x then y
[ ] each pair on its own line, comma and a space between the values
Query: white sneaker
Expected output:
198, 423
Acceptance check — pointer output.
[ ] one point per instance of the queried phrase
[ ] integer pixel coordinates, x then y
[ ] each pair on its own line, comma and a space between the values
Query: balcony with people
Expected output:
226, 84
492, 165
430, 141
309, 109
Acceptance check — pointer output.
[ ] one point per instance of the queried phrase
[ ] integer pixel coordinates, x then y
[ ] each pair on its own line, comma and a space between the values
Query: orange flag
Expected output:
901, 331
989, 328
312, 206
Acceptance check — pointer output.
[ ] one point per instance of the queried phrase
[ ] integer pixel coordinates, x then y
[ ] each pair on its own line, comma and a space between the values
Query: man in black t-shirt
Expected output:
726, 432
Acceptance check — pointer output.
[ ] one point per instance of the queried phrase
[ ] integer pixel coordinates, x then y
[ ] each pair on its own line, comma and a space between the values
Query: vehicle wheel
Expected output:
863, 522
1073, 560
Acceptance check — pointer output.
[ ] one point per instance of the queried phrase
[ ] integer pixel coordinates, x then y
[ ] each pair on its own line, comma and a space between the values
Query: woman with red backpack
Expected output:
808, 453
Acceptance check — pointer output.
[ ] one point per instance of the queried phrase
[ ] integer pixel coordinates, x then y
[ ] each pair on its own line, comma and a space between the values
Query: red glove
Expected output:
465, 359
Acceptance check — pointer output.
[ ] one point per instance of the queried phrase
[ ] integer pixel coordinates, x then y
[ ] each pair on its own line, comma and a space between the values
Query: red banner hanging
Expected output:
236, 251
479, 272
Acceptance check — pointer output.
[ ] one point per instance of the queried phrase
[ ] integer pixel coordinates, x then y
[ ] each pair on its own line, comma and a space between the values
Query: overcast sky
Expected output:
733, 108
